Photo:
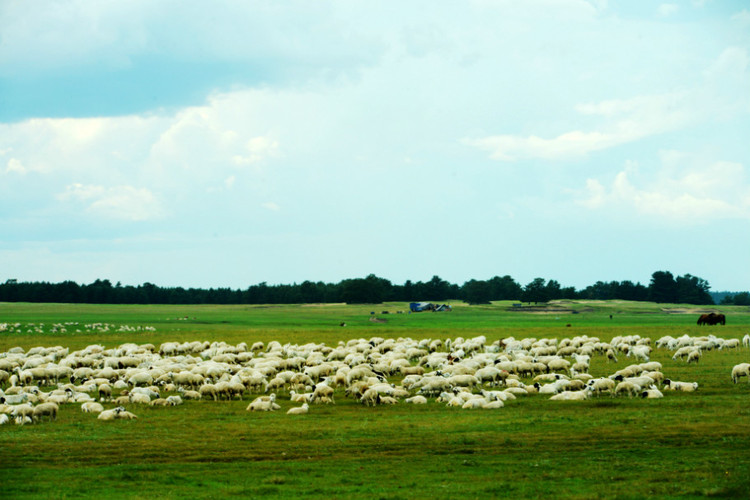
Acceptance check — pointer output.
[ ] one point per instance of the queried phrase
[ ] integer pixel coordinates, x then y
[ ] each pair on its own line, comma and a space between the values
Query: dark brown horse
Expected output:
712, 319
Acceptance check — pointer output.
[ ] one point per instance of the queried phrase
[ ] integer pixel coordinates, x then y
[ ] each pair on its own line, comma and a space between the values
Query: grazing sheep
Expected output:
321, 392
4, 419
628, 387
741, 370
611, 356
23, 410
746, 340
694, 356
300, 410
23, 420
45, 410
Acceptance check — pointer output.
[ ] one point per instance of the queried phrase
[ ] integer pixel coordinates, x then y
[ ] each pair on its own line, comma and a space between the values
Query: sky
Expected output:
225, 144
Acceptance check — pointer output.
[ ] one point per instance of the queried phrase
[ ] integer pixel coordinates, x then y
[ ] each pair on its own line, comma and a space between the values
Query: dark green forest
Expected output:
663, 287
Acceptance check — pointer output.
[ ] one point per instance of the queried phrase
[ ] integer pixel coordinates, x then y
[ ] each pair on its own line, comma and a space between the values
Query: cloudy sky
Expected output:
225, 144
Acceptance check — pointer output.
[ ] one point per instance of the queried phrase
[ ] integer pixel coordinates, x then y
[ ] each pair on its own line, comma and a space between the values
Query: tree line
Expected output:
663, 287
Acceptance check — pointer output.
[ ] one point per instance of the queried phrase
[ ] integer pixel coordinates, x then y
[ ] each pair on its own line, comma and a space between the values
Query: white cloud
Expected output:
630, 120
682, 191
271, 206
119, 202
722, 93
257, 149
15, 166
667, 9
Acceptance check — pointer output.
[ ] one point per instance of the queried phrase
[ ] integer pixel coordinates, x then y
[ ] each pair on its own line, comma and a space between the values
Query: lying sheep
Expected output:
92, 407
570, 396
263, 403
108, 414
652, 393
300, 410
416, 400
681, 386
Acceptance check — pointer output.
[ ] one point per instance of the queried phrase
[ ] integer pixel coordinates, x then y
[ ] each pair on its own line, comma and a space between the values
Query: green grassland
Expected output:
682, 446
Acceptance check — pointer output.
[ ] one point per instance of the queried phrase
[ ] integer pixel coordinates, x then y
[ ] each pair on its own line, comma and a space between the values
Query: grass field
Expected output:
682, 446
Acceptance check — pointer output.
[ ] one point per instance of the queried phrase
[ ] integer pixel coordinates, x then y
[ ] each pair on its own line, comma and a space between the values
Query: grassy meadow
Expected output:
686, 445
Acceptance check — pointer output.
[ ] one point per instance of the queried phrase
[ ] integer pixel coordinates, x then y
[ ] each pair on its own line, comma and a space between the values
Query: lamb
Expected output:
300, 410
174, 400
739, 371
45, 409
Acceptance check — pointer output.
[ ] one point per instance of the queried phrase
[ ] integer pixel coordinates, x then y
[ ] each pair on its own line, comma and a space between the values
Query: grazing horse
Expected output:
712, 319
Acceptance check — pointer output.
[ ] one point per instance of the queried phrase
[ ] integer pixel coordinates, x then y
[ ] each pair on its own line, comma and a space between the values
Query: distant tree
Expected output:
477, 292
437, 289
738, 299
663, 287
693, 290
370, 290
553, 290
505, 288
536, 291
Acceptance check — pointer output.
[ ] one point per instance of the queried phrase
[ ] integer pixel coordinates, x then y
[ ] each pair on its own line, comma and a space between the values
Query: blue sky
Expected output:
188, 144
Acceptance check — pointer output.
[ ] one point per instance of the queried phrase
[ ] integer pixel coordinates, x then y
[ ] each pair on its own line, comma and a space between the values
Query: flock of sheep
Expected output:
467, 373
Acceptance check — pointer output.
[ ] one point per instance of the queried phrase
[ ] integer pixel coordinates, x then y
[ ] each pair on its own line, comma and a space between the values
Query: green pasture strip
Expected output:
613, 448
686, 445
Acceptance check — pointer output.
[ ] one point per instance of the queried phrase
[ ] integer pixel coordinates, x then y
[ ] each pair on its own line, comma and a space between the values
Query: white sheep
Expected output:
92, 407
45, 410
299, 410
570, 396
746, 340
108, 414
4, 419
694, 356
263, 403
628, 387
681, 386
174, 400
493, 405
652, 393
741, 370
416, 400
